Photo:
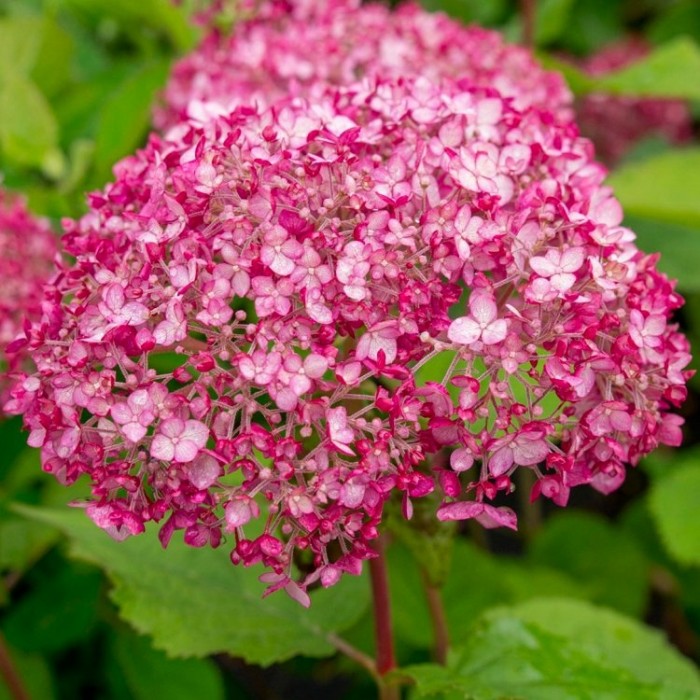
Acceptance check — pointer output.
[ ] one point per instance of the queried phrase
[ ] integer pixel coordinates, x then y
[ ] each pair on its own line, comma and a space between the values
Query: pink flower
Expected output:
483, 513
483, 324
135, 415
248, 308
178, 440
27, 251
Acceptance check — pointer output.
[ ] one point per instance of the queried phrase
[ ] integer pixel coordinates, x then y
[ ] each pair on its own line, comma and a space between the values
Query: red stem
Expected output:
386, 660
9, 673
384, 639
529, 8
439, 619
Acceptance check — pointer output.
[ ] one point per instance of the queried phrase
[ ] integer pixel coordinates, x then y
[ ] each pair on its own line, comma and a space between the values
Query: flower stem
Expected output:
437, 615
9, 673
529, 8
386, 660
359, 657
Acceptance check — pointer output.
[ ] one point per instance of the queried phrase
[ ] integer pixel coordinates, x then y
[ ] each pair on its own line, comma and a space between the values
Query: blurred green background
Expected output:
78, 79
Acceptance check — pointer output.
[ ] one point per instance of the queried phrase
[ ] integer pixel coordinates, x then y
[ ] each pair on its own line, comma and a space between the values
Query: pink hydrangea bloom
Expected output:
616, 123
306, 262
296, 47
27, 251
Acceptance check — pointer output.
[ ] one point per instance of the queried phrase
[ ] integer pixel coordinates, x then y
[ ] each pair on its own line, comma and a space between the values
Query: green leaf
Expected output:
679, 247
193, 602
159, 15
488, 580
674, 505
126, 117
592, 24
558, 649
606, 561
22, 542
662, 188
58, 613
149, 673
52, 63
28, 129
663, 73
551, 19
20, 39
484, 13
677, 19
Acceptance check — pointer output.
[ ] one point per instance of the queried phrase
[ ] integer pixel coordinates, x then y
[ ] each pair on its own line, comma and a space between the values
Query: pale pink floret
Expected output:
487, 515
559, 266
340, 434
482, 325
178, 440
135, 415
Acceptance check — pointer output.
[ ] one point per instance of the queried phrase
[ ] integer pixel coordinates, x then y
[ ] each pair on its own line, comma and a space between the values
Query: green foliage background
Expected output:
600, 601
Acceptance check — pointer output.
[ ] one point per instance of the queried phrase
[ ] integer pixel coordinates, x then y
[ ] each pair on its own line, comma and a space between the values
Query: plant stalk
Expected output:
439, 619
528, 11
9, 673
383, 634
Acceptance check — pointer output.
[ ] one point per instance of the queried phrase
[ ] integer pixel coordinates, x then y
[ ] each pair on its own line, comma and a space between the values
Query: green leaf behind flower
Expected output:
193, 602
559, 649
674, 505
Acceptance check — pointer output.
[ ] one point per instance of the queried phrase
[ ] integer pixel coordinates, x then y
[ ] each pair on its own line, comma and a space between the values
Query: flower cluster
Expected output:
297, 47
27, 251
279, 317
616, 123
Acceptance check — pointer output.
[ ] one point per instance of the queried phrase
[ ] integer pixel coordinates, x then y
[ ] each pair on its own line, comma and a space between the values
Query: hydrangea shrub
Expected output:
306, 249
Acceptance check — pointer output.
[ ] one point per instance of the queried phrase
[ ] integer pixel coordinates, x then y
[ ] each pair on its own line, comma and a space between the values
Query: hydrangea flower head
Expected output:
350, 286
27, 251
297, 47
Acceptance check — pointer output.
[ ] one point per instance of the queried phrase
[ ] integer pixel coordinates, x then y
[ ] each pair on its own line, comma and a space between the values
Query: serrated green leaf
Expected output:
28, 129
662, 188
674, 505
126, 116
603, 559
149, 673
193, 602
558, 649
